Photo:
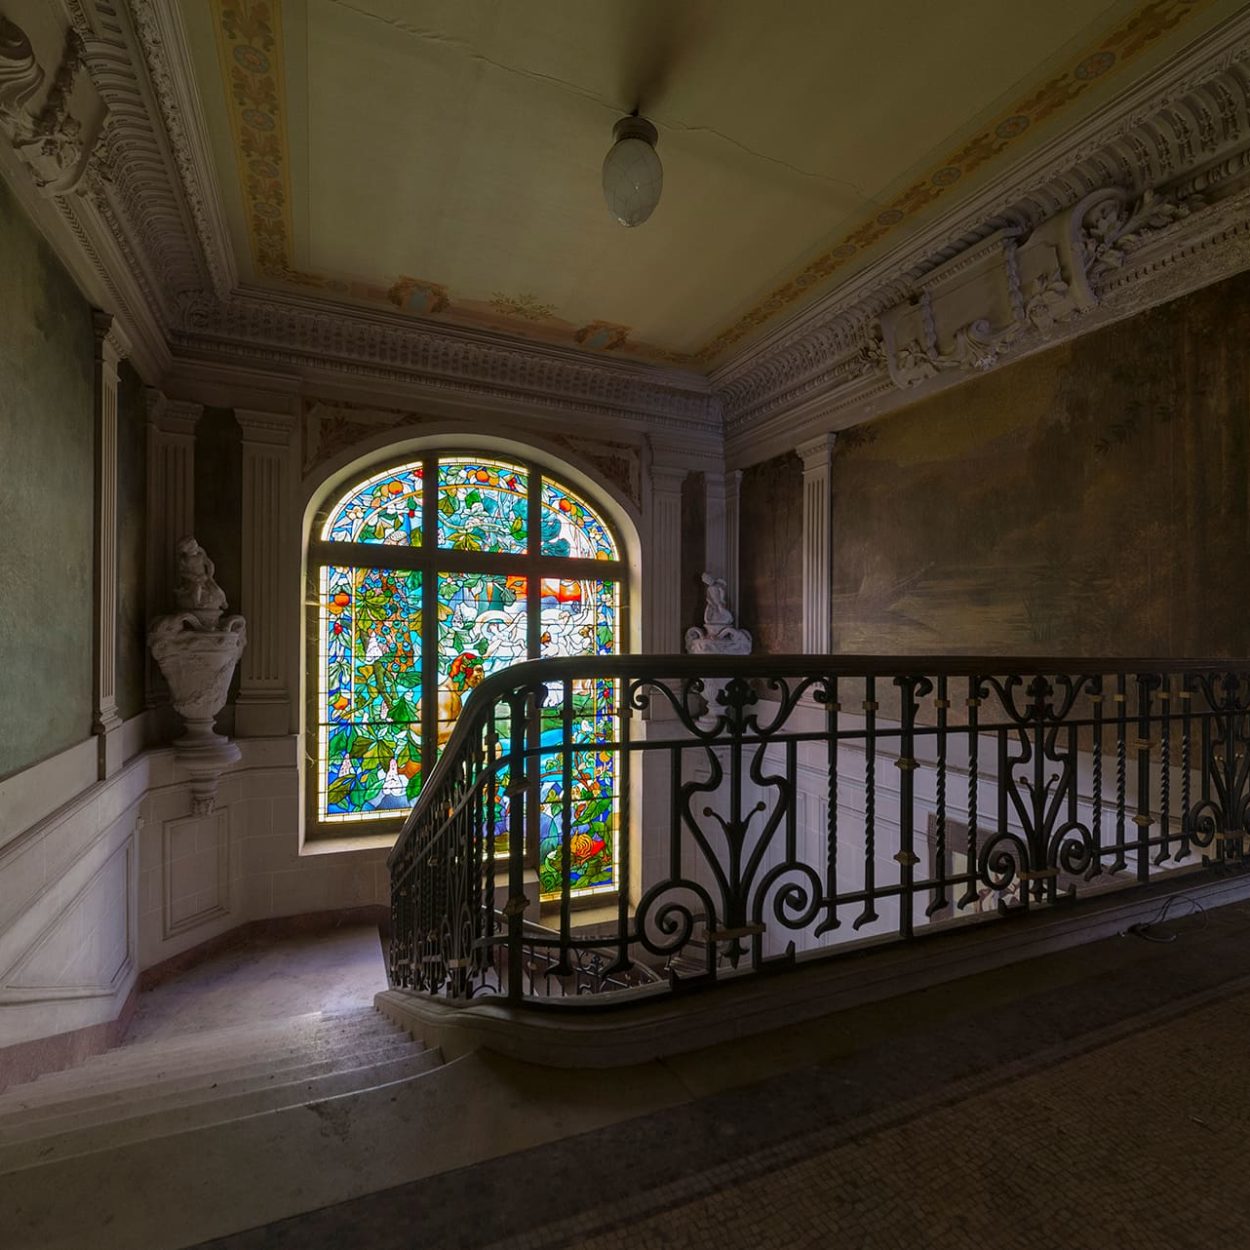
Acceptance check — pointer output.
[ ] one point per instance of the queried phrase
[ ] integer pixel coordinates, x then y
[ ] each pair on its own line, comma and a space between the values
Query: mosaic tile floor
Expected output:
1139, 1142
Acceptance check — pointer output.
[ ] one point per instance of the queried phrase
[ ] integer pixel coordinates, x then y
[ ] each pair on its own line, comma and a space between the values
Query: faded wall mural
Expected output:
770, 553
47, 494
1091, 500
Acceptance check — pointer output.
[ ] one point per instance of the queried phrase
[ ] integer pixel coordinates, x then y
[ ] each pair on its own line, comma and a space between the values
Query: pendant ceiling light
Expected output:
632, 174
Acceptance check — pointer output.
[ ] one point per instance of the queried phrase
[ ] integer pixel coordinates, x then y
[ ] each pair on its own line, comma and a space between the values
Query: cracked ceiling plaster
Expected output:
442, 158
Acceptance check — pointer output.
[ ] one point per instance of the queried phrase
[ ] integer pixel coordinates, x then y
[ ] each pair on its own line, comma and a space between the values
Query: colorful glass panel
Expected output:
592, 813
571, 528
370, 723
386, 509
483, 505
370, 729
482, 627
578, 617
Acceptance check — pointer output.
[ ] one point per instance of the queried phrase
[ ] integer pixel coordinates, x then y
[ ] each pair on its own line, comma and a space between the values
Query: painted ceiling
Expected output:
441, 158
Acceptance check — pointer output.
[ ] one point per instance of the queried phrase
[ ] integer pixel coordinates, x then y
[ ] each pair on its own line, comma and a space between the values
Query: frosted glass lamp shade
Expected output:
632, 174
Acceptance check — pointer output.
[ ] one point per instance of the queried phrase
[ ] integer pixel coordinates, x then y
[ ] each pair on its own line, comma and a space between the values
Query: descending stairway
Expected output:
147, 1090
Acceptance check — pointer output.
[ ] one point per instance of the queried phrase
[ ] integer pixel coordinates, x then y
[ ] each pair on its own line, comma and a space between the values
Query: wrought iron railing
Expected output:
757, 813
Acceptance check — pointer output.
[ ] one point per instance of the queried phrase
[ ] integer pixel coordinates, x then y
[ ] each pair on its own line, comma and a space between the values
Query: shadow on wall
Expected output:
770, 546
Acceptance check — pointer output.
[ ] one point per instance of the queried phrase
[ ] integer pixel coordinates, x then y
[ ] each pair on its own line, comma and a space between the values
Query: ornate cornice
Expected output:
1144, 201
1139, 207
296, 333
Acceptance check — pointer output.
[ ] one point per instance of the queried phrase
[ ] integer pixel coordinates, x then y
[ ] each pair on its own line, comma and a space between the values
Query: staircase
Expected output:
183, 1083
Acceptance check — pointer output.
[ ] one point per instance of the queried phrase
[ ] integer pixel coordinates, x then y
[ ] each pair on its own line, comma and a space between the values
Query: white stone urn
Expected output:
197, 652
716, 636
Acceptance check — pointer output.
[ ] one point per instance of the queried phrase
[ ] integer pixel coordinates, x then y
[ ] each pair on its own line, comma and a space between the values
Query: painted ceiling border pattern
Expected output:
1148, 209
250, 47
1169, 160
1133, 36
250, 52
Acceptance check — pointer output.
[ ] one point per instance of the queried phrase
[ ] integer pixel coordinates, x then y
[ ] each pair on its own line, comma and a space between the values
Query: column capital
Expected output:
815, 452
171, 416
265, 427
111, 344
667, 478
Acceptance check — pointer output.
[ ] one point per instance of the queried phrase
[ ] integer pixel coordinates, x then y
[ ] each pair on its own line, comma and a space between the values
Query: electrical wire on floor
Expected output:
1143, 927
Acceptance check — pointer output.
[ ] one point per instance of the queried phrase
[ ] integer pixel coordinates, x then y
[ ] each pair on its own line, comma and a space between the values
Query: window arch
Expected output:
428, 575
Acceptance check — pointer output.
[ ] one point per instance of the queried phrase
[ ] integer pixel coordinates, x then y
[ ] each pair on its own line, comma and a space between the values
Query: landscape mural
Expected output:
1091, 500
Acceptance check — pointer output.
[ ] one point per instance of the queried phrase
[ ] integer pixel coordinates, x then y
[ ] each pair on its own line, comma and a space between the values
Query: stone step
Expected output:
23, 1111
114, 1067
146, 1100
311, 1023
42, 1151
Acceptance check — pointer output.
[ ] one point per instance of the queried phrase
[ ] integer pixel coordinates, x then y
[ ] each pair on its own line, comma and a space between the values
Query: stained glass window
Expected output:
483, 505
370, 691
570, 528
482, 627
385, 509
432, 618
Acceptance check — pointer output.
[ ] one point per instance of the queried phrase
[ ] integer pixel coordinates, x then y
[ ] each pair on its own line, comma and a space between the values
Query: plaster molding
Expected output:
119, 175
1028, 263
315, 336
159, 27
112, 345
172, 416
266, 427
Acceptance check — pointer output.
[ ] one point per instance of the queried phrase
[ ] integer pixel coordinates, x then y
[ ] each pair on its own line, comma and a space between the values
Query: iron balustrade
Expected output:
773, 810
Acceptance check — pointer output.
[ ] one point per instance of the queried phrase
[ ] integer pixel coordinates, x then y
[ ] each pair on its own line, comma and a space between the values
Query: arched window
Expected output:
428, 576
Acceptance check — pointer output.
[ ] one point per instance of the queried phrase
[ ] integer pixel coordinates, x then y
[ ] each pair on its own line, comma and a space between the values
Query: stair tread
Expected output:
15, 1108
50, 1118
41, 1150
210, 1045
311, 1020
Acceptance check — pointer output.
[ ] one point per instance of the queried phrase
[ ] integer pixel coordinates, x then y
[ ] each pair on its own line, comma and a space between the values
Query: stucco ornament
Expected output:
197, 652
716, 636
196, 590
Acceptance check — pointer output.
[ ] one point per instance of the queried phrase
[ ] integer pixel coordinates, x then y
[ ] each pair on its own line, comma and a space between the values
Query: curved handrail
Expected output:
925, 791
529, 673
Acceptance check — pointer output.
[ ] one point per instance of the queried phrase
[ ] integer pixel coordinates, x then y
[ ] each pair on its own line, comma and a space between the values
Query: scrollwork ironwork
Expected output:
904, 793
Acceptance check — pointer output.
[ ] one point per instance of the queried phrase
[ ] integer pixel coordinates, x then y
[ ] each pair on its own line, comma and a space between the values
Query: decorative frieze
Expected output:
1031, 260
51, 140
126, 184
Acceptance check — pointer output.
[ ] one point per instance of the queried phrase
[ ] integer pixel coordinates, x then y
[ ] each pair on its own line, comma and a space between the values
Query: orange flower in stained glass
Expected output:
582, 846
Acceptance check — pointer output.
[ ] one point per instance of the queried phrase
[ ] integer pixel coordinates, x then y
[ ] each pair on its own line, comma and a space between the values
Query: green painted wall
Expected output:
47, 492
1091, 500
131, 542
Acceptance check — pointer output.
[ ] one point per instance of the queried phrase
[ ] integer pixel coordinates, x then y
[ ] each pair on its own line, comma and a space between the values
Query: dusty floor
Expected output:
263, 980
1094, 1098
